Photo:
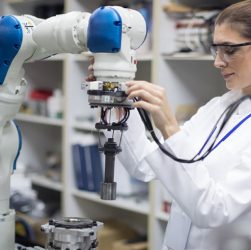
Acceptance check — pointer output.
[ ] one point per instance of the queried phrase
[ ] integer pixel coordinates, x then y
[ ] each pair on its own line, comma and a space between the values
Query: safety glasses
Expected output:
227, 52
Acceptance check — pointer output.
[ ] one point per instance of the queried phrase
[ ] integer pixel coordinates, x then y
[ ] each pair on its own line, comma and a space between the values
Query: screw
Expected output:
17, 26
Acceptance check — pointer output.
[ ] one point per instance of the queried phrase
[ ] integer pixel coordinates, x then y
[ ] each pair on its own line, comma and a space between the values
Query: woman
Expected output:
212, 197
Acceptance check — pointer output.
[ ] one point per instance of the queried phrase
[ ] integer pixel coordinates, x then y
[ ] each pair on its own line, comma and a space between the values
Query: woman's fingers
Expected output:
143, 84
90, 76
90, 68
146, 96
146, 106
153, 99
152, 89
91, 59
147, 92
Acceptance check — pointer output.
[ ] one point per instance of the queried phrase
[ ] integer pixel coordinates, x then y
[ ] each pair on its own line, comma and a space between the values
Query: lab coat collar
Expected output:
233, 95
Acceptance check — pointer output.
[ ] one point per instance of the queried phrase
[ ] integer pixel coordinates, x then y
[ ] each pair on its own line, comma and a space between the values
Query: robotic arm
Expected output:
112, 34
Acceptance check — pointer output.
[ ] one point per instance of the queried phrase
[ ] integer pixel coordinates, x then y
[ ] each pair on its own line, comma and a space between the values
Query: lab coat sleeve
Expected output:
135, 146
207, 202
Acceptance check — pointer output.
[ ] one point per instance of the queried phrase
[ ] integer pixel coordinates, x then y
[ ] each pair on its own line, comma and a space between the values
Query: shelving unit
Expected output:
188, 57
177, 73
122, 203
42, 181
39, 119
84, 126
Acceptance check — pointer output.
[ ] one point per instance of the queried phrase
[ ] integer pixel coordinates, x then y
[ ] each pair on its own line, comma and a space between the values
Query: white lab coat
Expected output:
212, 198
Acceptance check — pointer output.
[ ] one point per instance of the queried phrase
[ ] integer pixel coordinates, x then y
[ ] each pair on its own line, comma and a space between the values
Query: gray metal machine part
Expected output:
69, 234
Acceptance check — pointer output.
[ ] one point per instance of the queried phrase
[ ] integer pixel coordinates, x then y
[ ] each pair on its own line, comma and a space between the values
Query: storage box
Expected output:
114, 231
35, 226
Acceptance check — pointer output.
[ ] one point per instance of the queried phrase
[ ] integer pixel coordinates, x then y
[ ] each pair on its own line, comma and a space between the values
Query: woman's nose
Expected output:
219, 62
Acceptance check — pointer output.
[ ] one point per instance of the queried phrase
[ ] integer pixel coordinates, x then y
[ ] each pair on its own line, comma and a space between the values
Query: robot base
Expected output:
69, 234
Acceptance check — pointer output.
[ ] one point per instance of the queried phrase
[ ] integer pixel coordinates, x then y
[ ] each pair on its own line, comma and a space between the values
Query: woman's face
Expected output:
234, 62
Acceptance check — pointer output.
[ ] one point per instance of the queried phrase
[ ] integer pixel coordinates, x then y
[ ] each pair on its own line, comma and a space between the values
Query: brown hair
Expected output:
238, 16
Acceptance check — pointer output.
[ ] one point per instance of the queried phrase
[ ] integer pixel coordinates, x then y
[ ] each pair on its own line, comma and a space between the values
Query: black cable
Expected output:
103, 114
121, 122
228, 112
126, 116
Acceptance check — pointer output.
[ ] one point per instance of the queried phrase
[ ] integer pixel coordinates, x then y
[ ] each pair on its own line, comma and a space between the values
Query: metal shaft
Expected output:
108, 188
109, 167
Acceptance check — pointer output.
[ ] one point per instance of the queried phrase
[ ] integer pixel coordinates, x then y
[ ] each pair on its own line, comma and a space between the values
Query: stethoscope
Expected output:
224, 118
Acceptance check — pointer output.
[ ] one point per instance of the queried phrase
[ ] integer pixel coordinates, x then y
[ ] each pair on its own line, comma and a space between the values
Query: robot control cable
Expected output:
226, 115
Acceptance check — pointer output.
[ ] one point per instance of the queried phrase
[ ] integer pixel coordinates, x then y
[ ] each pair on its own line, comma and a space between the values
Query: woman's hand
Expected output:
90, 76
153, 99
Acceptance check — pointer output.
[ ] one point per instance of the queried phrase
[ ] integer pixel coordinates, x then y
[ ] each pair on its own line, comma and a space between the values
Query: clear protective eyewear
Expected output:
227, 52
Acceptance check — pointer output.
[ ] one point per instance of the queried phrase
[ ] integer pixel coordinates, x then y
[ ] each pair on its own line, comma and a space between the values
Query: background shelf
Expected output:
188, 57
123, 203
39, 119
86, 126
42, 181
